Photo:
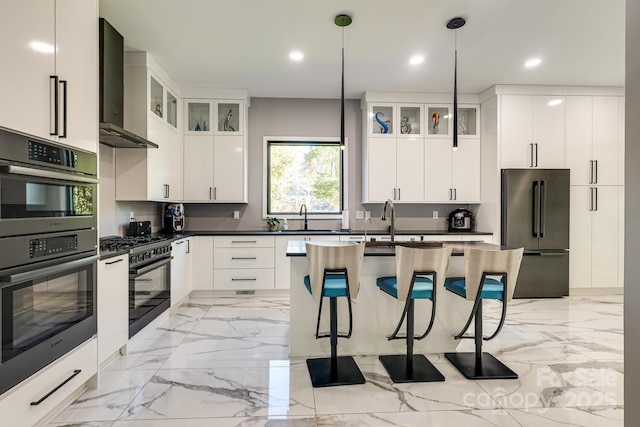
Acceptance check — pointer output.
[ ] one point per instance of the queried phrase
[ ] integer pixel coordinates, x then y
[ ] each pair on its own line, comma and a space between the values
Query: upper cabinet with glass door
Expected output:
162, 103
198, 117
438, 120
468, 121
229, 117
381, 119
410, 120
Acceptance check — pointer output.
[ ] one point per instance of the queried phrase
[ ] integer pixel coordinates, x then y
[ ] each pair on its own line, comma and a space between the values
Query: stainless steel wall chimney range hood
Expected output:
112, 132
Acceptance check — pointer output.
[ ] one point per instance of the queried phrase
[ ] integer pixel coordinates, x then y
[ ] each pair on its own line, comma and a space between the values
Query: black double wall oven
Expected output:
48, 253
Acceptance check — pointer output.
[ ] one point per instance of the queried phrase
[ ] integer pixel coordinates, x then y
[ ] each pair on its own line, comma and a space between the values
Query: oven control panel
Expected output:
51, 154
52, 246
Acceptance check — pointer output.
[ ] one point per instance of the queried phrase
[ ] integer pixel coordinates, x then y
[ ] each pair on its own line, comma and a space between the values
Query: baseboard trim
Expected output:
595, 291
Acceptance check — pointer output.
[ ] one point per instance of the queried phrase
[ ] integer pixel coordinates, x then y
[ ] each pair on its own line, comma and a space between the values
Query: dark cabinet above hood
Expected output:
112, 132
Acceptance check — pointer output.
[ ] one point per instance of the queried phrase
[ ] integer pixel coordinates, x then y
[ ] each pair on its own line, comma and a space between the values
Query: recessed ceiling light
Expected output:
296, 56
415, 60
41, 47
554, 102
534, 62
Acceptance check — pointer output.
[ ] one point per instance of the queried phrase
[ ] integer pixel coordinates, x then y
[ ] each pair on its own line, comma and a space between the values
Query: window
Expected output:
306, 171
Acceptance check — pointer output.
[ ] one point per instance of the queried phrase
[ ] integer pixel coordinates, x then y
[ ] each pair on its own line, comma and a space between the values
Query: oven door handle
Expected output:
29, 275
42, 173
148, 268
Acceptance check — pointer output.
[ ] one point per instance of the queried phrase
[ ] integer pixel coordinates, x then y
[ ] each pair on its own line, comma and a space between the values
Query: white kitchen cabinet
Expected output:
15, 404
395, 169
198, 114
594, 139
532, 131
202, 269
151, 111
42, 42
595, 234
243, 262
214, 169
113, 306
452, 176
181, 270
229, 116
439, 121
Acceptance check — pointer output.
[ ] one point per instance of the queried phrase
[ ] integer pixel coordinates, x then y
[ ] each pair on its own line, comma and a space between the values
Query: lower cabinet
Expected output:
202, 258
16, 404
243, 262
596, 237
282, 275
181, 270
113, 306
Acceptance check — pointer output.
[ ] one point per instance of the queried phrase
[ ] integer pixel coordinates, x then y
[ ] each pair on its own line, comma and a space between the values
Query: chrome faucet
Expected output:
305, 215
365, 226
393, 217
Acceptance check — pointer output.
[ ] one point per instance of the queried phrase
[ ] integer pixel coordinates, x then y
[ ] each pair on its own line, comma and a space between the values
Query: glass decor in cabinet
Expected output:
156, 100
438, 121
172, 109
410, 120
228, 117
381, 117
198, 116
468, 121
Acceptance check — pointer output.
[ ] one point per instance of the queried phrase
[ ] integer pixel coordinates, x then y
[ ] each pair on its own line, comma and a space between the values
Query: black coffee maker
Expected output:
174, 218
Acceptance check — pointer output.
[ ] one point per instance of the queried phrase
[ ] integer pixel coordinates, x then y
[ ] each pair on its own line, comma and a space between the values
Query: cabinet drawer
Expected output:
243, 242
240, 279
243, 258
15, 404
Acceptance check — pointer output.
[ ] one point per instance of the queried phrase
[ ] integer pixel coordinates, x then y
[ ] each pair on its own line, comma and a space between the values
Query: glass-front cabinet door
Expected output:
468, 121
156, 97
438, 121
172, 109
410, 120
198, 116
229, 115
381, 118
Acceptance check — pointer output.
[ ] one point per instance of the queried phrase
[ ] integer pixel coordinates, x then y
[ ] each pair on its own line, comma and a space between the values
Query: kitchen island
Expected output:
375, 314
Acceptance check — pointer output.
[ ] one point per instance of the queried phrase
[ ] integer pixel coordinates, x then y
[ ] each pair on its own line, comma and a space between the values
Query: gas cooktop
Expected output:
117, 243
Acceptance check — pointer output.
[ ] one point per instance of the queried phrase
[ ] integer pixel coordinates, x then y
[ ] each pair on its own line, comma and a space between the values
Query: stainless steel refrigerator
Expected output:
535, 215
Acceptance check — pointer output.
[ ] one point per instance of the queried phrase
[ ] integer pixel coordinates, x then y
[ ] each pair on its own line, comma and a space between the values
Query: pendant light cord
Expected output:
342, 146
455, 89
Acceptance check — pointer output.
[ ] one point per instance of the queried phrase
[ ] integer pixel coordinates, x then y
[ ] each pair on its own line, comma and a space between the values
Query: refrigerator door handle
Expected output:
536, 209
543, 208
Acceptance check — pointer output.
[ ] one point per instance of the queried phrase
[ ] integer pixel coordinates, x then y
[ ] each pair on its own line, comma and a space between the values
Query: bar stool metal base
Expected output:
345, 372
490, 368
422, 370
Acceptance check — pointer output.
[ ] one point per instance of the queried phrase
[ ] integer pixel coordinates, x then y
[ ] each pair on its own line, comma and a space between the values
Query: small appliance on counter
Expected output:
174, 218
461, 220
139, 228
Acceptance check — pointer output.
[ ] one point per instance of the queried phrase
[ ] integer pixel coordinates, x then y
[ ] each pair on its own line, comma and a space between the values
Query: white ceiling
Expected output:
246, 43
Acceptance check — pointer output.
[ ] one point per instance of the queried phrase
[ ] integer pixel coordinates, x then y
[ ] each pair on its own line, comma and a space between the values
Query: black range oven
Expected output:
48, 253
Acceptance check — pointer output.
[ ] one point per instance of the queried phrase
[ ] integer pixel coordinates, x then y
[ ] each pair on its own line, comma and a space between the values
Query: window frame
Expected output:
304, 139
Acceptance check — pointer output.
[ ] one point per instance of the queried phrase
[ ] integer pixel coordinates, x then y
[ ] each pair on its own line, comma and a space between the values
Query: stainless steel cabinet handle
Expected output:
398, 193
63, 134
114, 262
188, 246
244, 258
531, 153
536, 154
244, 280
590, 171
53, 98
595, 180
244, 241
210, 193
591, 198
215, 193
455, 194
451, 194
394, 194
58, 387
595, 207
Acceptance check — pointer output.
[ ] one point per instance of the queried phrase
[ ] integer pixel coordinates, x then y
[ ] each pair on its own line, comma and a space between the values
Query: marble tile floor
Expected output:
223, 361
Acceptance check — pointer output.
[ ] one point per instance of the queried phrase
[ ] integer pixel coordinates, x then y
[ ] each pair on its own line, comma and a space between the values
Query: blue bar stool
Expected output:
334, 272
417, 270
481, 269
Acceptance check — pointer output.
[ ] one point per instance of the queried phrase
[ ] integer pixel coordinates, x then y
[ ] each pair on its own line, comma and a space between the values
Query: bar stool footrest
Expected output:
489, 369
345, 372
422, 370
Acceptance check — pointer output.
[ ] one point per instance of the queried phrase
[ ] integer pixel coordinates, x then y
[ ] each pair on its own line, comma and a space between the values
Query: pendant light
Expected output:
342, 21
454, 24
